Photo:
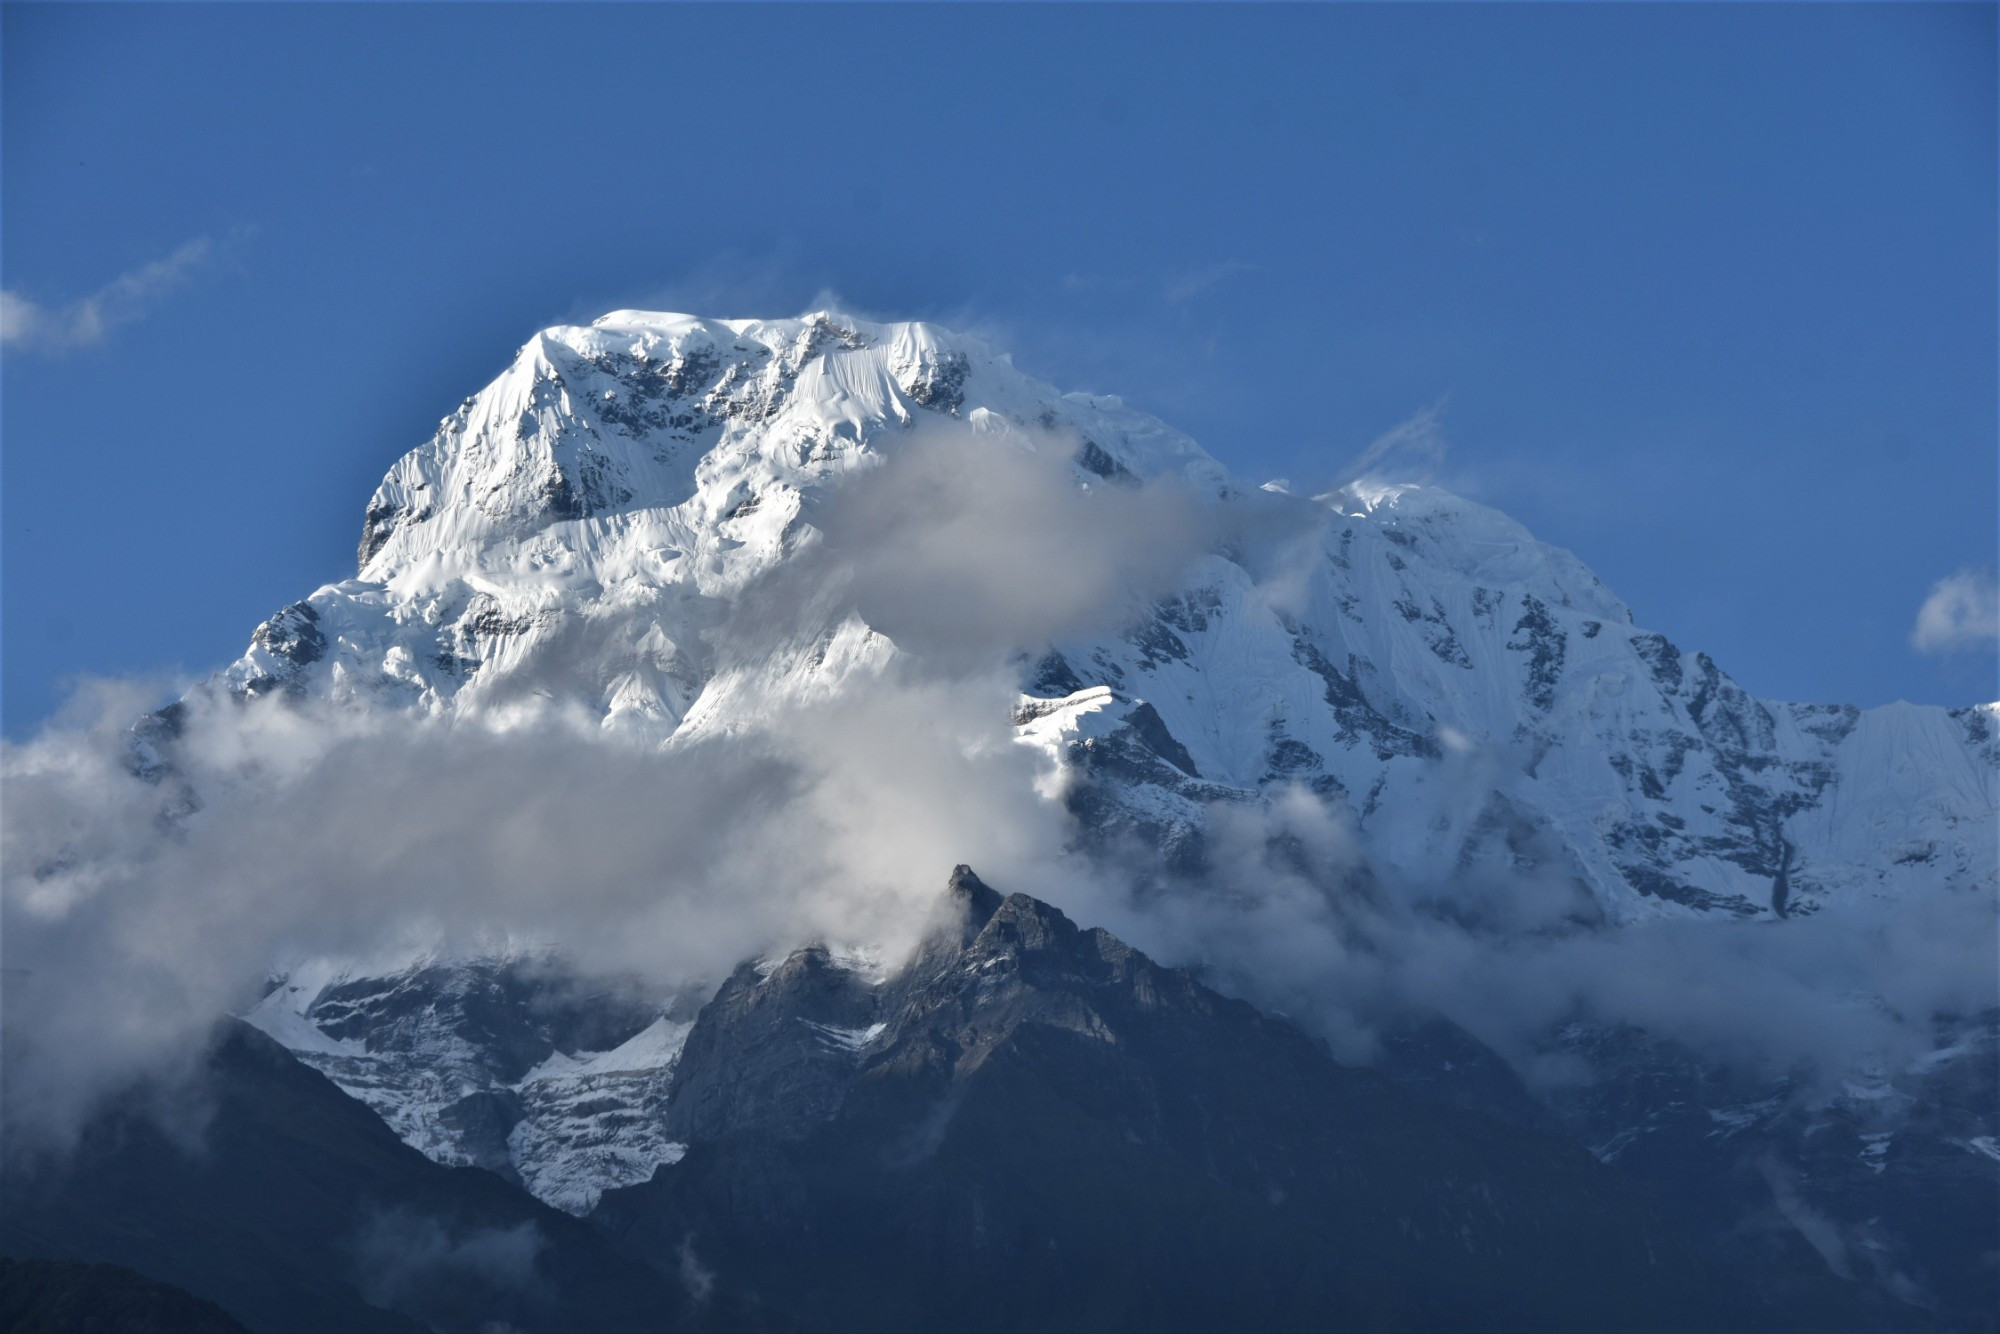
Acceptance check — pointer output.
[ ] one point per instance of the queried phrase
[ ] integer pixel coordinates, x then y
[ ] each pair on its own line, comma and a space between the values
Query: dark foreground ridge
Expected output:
56, 1297
1032, 1127
300, 1211
1035, 1127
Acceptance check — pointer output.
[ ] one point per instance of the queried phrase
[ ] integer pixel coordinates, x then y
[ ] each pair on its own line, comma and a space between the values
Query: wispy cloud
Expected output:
1196, 281
1174, 287
1963, 611
26, 323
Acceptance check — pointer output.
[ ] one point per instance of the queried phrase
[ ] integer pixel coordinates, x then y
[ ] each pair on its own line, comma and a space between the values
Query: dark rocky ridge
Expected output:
1034, 1126
1892, 1190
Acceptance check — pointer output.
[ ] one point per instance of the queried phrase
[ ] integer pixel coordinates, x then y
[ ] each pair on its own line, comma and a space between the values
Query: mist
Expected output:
1294, 913
969, 546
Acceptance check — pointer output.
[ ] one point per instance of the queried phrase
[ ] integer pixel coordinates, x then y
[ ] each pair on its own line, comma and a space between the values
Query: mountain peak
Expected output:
978, 901
656, 413
575, 534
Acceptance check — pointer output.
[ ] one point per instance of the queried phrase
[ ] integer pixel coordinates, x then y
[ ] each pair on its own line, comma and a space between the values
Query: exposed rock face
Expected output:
281, 651
775, 1049
1034, 1125
517, 1065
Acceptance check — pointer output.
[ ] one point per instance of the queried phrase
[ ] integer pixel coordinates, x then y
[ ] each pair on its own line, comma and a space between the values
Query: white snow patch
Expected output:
846, 1039
277, 1017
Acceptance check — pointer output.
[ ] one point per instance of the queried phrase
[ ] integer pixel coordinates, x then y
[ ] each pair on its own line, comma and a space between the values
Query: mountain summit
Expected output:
575, 536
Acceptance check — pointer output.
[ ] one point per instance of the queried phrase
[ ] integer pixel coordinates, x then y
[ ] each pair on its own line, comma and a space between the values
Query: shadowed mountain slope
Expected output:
297, 1209
1036, 1127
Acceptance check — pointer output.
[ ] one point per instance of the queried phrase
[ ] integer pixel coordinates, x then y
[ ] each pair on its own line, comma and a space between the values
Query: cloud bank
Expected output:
140, 904
1293, 912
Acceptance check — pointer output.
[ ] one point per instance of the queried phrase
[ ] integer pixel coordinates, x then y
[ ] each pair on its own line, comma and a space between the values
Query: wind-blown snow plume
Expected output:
1410, 451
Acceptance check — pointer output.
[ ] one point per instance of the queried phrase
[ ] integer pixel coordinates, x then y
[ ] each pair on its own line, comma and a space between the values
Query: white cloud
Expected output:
965, 548
325, 832
25, 323
1963, 611
1192, 283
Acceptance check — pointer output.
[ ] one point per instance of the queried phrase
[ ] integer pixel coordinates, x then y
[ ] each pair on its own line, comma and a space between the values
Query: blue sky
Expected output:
1708, 293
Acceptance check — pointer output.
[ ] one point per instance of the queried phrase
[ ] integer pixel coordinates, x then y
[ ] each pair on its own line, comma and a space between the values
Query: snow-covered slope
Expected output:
509, 1063
1469, 690
573, 536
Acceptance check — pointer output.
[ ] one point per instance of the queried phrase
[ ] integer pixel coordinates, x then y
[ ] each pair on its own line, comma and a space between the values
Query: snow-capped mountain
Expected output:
577, 540
573, 536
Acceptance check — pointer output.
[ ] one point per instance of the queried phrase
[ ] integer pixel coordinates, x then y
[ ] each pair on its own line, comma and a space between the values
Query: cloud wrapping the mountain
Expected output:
402, 1256
1293, 913
130, 924
969, 546
137, 910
